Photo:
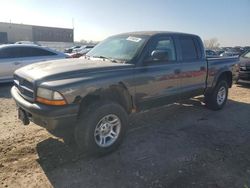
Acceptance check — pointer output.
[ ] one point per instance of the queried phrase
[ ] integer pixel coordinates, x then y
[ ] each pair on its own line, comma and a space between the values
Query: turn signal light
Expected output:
51, 102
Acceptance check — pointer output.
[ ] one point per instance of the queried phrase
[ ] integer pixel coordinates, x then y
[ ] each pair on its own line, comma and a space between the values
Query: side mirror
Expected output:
159, 55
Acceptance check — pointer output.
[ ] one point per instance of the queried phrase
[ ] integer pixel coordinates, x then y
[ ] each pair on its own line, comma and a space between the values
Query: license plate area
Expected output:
23, 116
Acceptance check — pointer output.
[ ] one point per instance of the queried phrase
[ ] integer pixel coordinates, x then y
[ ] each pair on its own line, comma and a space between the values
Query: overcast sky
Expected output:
228, 20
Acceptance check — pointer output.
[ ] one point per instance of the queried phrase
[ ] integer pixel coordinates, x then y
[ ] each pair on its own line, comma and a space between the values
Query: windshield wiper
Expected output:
107, 58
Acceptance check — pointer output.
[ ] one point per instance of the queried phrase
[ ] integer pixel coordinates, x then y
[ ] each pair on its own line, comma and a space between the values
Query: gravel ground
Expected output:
182, 145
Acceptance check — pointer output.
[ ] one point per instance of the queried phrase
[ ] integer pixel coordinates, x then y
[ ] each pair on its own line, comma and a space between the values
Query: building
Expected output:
11, 33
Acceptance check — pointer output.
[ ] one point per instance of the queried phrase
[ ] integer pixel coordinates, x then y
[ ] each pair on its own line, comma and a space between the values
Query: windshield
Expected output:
118, 47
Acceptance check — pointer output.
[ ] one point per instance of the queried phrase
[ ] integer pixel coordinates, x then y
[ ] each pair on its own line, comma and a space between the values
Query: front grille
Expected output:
25, 87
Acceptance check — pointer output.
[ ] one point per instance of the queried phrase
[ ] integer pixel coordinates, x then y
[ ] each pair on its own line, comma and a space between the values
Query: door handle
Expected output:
17, 63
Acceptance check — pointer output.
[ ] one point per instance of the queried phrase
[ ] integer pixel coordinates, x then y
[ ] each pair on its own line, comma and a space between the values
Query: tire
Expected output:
98, 121
218, 97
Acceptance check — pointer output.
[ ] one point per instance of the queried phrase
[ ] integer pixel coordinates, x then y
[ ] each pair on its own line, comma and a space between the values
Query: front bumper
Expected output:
244, 75
49, 117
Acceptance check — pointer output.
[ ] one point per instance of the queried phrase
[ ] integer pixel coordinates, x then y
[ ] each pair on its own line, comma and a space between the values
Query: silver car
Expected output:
14, 56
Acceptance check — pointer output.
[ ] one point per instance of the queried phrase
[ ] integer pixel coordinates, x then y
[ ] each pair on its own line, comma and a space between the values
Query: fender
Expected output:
115, 92
218, 74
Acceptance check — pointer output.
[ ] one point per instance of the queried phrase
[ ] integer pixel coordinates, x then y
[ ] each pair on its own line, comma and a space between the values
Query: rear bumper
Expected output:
50, 117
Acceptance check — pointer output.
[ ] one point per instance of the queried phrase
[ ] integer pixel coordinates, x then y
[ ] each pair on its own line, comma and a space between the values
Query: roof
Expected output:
26, 45
19, 45
3, 46
152, 33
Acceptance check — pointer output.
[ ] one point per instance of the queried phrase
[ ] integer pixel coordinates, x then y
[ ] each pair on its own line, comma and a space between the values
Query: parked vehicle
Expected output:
81, 51
246, 48
229, 53
70, 50
211, 53
91, 98
14, 56
244, 66
239, 50
219, 52
27, 42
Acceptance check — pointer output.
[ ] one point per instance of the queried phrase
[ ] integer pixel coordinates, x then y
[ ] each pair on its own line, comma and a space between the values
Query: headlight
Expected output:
50, 97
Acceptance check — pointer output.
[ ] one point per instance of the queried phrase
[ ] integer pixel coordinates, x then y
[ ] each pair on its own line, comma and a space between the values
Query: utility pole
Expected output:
73, 26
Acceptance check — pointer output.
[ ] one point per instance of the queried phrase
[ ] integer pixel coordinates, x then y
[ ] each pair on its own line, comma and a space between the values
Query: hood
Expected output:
66, 68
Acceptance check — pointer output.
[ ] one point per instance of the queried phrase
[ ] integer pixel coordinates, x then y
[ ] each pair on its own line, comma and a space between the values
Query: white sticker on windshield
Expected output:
134, 39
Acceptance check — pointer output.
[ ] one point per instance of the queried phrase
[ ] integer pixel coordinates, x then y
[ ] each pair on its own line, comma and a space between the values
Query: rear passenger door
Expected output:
157, 81
13, 58
193, 66
9, 62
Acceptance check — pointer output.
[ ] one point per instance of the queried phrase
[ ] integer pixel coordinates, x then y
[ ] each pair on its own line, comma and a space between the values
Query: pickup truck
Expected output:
91, 98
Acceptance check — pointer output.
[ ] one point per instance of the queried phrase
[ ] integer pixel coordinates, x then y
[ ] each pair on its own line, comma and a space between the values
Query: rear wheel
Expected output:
101, 128
218, 97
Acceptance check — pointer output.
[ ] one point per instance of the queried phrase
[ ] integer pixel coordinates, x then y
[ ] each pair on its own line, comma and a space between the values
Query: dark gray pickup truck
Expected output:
91, 98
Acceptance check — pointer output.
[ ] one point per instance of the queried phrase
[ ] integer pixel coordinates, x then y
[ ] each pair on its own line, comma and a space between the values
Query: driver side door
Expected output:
157, 80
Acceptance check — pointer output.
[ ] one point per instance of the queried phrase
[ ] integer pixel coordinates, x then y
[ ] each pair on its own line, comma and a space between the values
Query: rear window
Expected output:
188, 49
9, 53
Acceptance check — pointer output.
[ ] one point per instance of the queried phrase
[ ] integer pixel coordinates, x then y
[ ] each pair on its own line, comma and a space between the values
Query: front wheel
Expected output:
101, 128
218, 97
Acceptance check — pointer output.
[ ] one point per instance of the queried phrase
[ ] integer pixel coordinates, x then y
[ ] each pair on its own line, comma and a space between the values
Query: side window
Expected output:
12, 52
17, 52
41, 52
33, 52
188, 49
163, 45
25, 52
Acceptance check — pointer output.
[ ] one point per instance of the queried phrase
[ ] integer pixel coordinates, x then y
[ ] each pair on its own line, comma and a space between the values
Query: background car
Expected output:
14, 56
230, 53
239, 50
70, 50
244, 72
27, 42
211, 53
219, 52
81, 51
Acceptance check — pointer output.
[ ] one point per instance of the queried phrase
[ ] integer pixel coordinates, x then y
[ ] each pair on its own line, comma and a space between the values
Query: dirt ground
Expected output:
182, 145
